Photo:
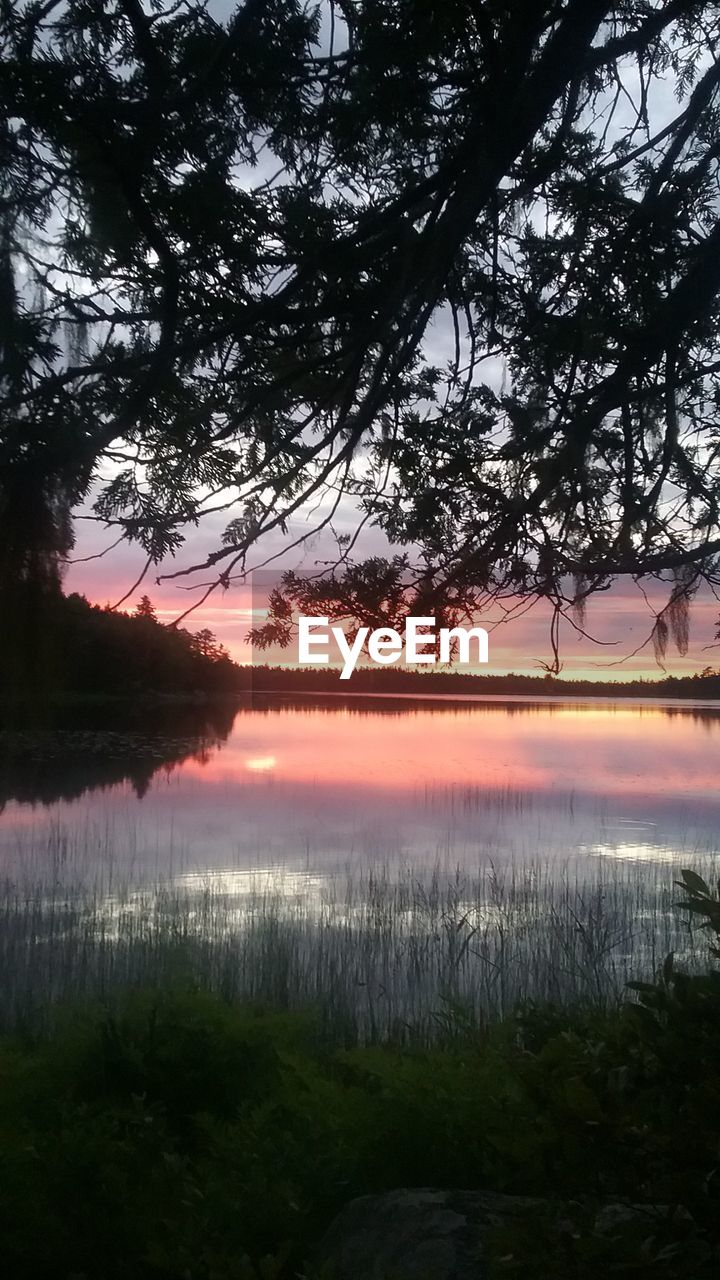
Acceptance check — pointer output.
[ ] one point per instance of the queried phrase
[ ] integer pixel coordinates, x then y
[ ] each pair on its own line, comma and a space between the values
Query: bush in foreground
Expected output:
182, 1137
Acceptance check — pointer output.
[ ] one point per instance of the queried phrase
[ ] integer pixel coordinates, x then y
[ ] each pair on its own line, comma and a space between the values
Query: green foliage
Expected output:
164, 1141
181, 1136
575, 1243
702, 902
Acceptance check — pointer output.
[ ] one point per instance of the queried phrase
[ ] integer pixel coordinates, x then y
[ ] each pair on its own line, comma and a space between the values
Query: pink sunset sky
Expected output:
619, 620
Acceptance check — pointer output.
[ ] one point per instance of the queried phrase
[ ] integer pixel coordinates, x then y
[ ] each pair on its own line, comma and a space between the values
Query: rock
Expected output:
420, 1234
430, 1234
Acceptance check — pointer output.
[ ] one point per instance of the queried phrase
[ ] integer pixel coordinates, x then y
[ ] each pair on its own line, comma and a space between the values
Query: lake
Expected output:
517, 815
316, 783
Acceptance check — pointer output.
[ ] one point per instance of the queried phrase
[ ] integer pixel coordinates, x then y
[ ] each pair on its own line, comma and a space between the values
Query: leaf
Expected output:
693, 883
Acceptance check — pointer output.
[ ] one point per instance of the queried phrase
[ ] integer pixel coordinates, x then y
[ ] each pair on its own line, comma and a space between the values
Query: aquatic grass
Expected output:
382, 951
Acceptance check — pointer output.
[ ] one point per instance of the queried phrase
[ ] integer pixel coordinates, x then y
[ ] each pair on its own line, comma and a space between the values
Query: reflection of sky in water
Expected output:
315, 789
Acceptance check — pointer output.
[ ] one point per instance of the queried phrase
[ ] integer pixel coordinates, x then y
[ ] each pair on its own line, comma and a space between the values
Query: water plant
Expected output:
384, 951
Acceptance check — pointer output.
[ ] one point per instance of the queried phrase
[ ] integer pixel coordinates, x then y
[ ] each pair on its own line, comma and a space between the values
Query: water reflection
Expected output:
315, 783
82, 753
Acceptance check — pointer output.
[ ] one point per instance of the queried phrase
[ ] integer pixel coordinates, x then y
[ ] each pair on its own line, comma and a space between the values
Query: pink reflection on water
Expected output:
329, 782
619, 749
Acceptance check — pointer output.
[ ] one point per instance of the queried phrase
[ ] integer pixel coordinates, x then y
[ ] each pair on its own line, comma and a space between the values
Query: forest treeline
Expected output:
99, 650
88, 649
94, 650
399, 680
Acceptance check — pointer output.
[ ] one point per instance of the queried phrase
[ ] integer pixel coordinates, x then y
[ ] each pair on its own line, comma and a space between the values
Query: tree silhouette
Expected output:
224, 242
105, 651
146, 609
205, 643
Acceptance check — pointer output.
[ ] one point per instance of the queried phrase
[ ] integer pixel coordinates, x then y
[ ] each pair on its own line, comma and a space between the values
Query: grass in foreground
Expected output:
385, 952
184, 1137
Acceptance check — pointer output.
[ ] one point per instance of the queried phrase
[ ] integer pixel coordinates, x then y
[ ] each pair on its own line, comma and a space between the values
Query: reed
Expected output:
384, 951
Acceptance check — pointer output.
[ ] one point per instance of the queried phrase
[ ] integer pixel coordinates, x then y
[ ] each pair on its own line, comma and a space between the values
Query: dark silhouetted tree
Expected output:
205, 643
230, 248
146, 609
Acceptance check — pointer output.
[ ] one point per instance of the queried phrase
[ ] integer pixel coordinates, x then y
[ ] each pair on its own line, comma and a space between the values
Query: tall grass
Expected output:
383, 952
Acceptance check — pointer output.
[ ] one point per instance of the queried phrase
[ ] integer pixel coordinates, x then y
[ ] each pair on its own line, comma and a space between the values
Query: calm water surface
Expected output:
313, 785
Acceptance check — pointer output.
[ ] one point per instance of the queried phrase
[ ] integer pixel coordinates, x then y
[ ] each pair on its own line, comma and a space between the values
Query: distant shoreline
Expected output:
441, 686
557, 698
95, 657
453, 684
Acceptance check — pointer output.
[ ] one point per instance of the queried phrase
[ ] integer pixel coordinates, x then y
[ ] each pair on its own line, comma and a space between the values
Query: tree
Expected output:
378, 593
223, 245
146, 609
106, 651
205, 643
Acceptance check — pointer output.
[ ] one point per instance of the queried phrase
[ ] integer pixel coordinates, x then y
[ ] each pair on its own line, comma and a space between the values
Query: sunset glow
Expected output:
619, 621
